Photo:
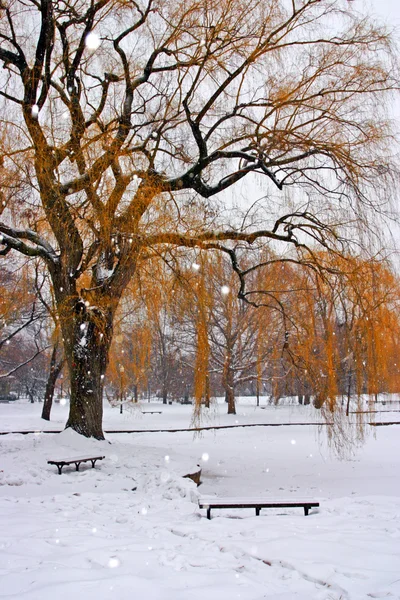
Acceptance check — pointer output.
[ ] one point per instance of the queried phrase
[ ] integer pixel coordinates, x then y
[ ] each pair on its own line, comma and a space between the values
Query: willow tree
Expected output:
122, 119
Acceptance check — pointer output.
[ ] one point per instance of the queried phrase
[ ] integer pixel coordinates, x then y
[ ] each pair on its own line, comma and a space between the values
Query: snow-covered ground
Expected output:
131, 527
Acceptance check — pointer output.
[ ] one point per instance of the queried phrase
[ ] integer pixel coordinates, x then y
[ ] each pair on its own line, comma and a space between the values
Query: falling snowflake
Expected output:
293, 442
205, 456
92, 41
225, 290
114, 562
35, 111
195, 267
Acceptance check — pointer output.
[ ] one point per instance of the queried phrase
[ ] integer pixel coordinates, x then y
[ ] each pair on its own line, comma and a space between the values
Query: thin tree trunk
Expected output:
30, 394
230, 392
55, 370
207, 395
165, 395
348, 396
228, 383
230, 398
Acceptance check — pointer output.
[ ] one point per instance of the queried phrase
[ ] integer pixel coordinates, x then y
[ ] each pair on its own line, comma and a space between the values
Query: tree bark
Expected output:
207, 395
230, 392
87, 343
30, 394
55, 369
165, 395
228, 383
230, 399
348, 395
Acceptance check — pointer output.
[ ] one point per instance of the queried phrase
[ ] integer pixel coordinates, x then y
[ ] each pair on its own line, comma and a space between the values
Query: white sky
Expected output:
390, 9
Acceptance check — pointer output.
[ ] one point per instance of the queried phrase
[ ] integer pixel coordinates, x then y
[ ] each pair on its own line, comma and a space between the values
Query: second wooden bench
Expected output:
257, 503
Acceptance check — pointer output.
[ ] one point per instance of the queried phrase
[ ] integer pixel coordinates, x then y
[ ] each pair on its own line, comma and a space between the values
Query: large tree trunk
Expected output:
55, 369
87, 342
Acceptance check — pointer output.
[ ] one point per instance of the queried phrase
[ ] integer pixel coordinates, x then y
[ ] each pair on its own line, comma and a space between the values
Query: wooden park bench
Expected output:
256, 503
74, 461
151, 412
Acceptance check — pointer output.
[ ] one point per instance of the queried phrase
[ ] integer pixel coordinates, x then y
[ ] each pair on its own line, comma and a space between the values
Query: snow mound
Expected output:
168, 485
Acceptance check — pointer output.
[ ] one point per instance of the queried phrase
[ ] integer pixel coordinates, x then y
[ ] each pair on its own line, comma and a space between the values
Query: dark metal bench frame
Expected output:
257, 504
74, 461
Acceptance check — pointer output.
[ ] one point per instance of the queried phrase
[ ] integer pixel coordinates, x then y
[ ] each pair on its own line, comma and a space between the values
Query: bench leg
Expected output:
77, 465
93, 463
59, 467
257, 511
306, 509
209, 514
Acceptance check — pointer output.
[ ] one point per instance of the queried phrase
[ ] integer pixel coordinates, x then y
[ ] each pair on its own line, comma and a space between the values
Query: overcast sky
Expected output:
390, 9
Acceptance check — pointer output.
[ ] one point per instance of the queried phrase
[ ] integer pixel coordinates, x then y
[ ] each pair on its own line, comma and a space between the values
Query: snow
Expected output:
92, 41
131, 527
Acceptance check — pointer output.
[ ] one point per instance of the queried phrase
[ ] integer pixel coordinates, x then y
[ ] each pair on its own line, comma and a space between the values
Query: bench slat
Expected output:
256, 503
74, 459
